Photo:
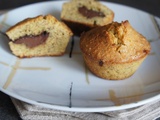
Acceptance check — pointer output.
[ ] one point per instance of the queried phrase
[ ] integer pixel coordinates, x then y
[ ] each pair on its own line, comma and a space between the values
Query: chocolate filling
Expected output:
101, 63
32, 41
90, 13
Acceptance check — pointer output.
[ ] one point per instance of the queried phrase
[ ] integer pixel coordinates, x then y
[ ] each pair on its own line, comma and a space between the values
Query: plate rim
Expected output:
83, 109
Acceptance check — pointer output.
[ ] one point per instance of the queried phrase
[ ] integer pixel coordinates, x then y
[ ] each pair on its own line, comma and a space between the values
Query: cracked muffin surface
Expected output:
115, 44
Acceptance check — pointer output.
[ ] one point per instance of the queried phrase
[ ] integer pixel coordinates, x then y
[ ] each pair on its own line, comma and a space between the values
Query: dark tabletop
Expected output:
7, 109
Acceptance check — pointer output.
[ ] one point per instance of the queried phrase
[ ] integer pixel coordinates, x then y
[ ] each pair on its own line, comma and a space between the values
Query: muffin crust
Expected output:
116, 47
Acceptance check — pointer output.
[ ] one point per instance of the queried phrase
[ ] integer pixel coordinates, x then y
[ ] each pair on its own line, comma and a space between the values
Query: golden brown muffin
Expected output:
39, 36
114, 51
82, 15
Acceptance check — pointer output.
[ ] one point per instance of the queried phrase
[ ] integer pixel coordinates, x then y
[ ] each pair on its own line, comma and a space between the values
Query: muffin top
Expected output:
114, 43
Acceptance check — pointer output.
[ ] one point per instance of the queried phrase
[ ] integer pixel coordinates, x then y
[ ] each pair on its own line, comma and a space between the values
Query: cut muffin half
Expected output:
83, 15
39, 36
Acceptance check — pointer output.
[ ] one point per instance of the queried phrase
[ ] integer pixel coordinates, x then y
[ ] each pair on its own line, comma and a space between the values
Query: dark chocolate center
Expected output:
90, 13
31, 40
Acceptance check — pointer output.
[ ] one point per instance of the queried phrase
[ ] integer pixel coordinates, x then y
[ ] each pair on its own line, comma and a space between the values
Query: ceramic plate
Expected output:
64, 82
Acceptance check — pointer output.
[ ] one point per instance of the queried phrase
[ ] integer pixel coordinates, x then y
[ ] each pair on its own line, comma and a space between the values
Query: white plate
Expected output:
64, 82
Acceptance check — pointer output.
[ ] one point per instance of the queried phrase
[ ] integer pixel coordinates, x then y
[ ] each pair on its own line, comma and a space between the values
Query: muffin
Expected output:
39, 36
114, 51
82, 15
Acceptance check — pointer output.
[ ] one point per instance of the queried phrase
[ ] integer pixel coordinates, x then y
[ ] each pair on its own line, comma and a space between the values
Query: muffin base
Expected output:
77, 28
113, 71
